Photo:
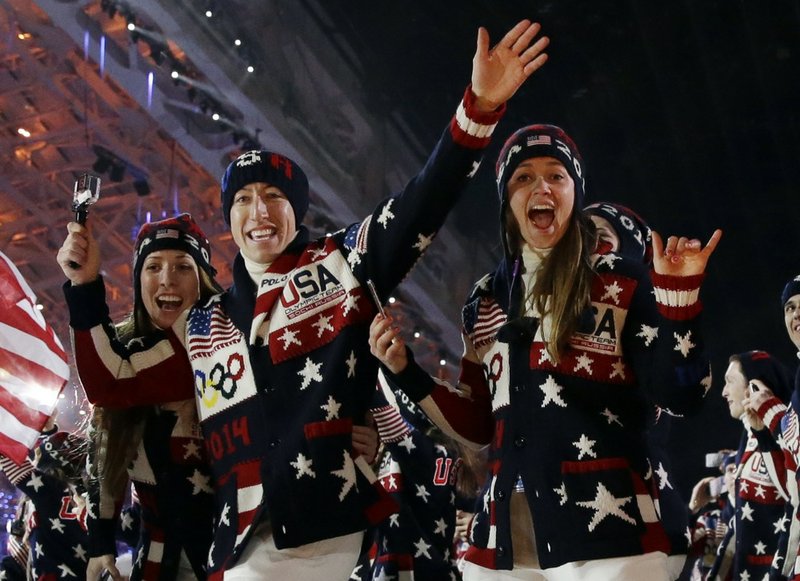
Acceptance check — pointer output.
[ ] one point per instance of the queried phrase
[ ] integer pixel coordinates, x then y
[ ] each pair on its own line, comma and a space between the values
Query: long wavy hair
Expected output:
117, 432
562, 290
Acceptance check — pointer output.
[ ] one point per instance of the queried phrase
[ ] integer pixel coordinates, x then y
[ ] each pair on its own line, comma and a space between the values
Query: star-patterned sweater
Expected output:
281, 370
172, 482
571, 435
417, 541
58, 539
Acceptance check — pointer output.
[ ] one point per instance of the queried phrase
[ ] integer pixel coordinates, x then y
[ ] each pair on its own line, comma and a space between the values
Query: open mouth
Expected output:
542, 216
262, 234
169, 302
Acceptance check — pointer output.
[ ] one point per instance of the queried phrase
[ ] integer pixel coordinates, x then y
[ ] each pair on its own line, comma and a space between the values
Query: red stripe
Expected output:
331, 428
246, 519
248, 474
27, 416
759, 559
678, 283
30, 371
581, 467
21, 319
485, 558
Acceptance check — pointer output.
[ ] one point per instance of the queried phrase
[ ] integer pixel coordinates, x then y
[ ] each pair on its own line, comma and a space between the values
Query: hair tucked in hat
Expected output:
540, 140
271, 168
634, 234
761, 365
178, 233
792, 288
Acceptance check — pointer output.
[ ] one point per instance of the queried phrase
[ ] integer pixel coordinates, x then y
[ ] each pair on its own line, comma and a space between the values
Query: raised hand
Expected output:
499, 72
79, 255
682, 256
386, 344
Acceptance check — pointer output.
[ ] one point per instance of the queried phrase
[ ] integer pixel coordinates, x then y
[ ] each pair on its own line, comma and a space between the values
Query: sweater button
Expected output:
274, 443
520, 441
501, 551
500, 495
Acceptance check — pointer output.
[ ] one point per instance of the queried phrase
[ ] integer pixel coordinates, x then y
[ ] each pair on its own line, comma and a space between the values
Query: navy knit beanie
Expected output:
540, 140
271, 168
634, 234
792, 288
761, 365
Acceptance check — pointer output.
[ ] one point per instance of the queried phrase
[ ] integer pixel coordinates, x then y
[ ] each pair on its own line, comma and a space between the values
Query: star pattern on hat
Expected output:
200, 483
605, 504
423, 242
323, 324
611, 291
331, 408
663, 477
551, 392
648, 333
585, 447
35, 482
347, 473
386, 214
351, 364
309, 373
303, 467
684, 343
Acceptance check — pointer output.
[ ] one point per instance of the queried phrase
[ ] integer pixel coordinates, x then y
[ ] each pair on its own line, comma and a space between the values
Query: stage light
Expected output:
24, 132
237, 42
250, 68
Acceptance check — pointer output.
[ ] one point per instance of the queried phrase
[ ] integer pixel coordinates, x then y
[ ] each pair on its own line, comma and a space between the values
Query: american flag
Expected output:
201, 340
539, 140
33, 365
490, 319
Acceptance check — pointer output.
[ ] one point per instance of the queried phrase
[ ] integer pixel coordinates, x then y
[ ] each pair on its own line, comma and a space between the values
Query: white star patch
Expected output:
350, 302
200, 483
223, 516
605, 504
441, 527
544, 356
611, 417
584, 362
351, 364
79, 552
474, 170
56, 525
331, 408
608, 260
310, 373
317, 253
584, 446
760, 491
353, 258
747, 512
744, 576
422, 492
551, 392
780, 524
648, 333
289, 338
423, 242
407, 443
422, 548
191, 449
38, 550
386, 214
347, 473
303, 467
562, 494
761, 548
391, 482
66, 571
323, 324
663, 477
611, 291
394, 520
35, 482
126, 521
619, 369
684, 343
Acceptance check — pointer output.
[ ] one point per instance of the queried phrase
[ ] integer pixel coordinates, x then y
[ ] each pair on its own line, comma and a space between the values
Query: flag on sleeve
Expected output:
33, 365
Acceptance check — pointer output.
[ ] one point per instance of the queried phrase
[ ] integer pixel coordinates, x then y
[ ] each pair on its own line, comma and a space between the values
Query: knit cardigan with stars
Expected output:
281, 372
571, 434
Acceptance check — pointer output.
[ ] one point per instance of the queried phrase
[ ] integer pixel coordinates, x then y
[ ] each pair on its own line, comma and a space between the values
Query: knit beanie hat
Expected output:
178, 233
540, 141
761, 365
792, 288
271, 168
634, 234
